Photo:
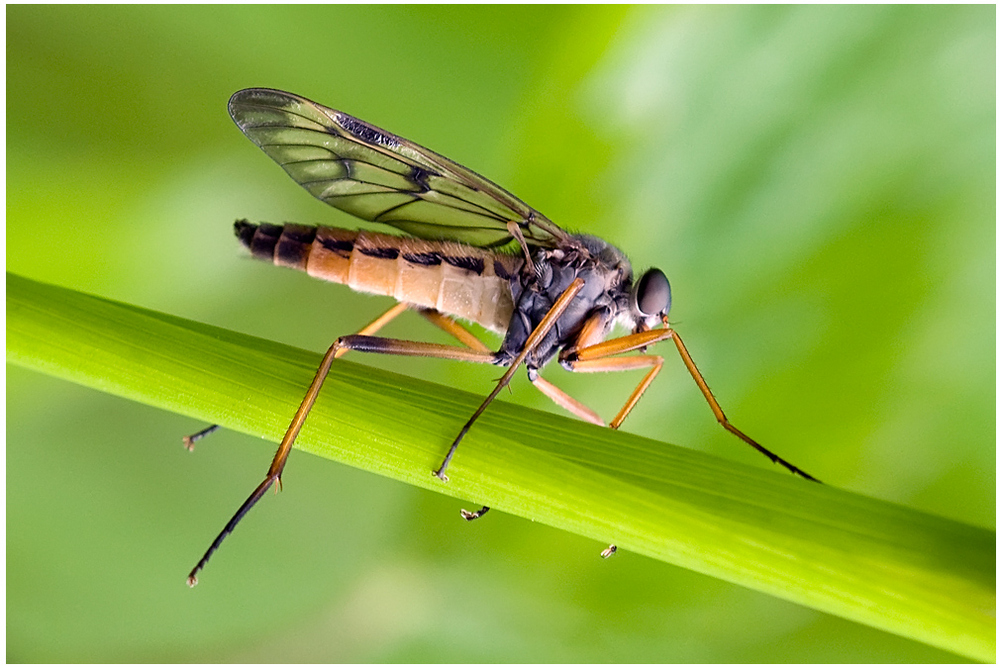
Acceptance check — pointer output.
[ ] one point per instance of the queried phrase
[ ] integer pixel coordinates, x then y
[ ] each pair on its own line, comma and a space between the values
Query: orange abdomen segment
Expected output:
455, 279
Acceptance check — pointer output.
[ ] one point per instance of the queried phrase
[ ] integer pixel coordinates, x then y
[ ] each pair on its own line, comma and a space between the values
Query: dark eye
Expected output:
651, 295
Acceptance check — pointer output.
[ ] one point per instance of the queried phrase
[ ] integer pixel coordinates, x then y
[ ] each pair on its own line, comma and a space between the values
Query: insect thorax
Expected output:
607, 276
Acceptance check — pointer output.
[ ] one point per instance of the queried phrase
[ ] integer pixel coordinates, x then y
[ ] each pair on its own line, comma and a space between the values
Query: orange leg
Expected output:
451, 326
598, 357
589, 337
372, 327
361, 342
563, 400
623, 364
458, 331
539, 333
592, 332
592, 358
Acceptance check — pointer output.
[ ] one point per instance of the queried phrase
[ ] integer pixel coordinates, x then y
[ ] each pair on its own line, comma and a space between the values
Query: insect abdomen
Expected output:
455, 279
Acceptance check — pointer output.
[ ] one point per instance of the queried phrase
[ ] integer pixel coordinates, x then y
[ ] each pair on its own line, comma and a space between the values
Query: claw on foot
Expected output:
468, 516
189, 441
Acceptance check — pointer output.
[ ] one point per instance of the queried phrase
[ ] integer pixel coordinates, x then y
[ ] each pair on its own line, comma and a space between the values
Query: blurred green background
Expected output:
818, 184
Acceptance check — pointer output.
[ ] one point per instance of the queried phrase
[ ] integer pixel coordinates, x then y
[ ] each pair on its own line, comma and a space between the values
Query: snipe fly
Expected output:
471, 251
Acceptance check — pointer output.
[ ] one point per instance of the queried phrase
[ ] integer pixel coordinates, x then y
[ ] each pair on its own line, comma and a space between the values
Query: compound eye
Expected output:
651, 295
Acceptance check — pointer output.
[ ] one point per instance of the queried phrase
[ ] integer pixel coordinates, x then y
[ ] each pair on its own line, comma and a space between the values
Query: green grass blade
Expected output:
906, 572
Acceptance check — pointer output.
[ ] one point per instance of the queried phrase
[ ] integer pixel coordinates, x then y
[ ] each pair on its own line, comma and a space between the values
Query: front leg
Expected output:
595, 358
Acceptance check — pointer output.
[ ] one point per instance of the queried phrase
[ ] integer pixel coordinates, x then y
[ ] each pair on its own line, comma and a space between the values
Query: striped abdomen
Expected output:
455, 279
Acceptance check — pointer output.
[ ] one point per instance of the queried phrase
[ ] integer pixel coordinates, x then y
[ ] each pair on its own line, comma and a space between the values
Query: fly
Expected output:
472, 251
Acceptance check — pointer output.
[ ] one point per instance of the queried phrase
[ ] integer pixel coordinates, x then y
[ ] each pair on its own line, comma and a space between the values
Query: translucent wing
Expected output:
377, 176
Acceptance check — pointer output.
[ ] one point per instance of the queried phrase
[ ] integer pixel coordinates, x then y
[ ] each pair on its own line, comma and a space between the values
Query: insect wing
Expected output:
378, 176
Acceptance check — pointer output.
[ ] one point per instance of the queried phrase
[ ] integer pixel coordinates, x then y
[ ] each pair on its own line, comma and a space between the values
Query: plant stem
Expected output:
903, 571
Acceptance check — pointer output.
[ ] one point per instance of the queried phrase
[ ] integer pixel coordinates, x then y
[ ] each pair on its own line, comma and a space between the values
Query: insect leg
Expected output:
592, 359
452, 327
361, 343
721, 417
591, 332
281, 456
563, 400
380, 322
623, 364
277, 464
372, 327
534, 338
458, 331
189, 441
476, 515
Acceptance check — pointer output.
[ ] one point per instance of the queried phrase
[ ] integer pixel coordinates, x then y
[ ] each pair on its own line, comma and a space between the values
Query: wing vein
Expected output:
381, 177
